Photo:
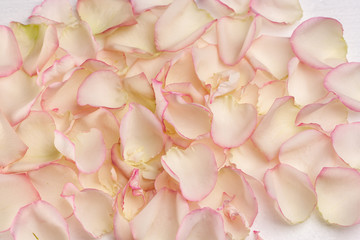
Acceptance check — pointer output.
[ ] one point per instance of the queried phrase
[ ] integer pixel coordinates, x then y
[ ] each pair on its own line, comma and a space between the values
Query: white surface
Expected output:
347, 12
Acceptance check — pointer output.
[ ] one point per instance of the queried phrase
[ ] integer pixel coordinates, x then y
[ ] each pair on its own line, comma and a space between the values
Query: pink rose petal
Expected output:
11, 59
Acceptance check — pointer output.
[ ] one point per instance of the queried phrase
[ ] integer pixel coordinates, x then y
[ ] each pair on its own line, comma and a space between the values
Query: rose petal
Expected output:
12, 147
111, 12
275, 59
232, 123
293, 192
239, 6
216, 8
305, 84
180, 33
142, 5
234, 38
102, 89
343, 81
141, 135
11, 59
57, 71
315, 40
203, 223
282, 11
339, 187
39, 220
161, 217
345, 139
276, 127
194, 168
13, 198
269, 93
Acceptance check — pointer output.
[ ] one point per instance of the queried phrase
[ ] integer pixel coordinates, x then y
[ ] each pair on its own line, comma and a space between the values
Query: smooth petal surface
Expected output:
344, 81
58, 11
12, 147
234, 38
142, 5
102, 89
39, 220
232, 123
276, 127
188, 24
111, 12
11, 59
346, 142
204, 223
292, 190
194, 168
161, 217
216, 8
282, 11
319, 43
275, 59
13, 198
330, 185
239, 6
141, 135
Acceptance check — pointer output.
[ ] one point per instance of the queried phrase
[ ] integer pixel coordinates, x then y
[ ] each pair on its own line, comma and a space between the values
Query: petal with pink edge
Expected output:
216, 8
204, 223
339, 195
282, 11
161, 217
305, 83
111, 12
141, 135
276, 127
232, 123
39, 220
142, 5
11, 59
344, 82
102, 89
16, 192
275, 59
12, 147
319, 43
346, 142
194, 168
309, 151
325, 115
239, 6
92, 207
234, 38
188, 23
292, 191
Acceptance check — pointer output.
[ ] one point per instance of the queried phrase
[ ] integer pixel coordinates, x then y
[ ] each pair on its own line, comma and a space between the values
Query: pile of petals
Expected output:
174, 119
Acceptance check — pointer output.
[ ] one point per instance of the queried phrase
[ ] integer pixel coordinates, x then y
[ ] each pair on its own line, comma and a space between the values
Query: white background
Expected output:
348, 13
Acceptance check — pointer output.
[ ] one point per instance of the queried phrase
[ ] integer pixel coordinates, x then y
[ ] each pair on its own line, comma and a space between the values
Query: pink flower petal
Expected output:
49, 182
111, 12
232, 123
194, 168
37, 44
309, 151
11, 59
346, 139
142, 5
39, 220
161, 217
276, 127
102, 89
233, 190
37, 132
16, 192
315, 40
216, 8
239, 6
282, 11
275, 59
339, 195
57, 71
203, 223
305, 84
141, 135
343, 81
269, 93
92, 207
234, 38
180, 33
325, 115
293, 192
12, 147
